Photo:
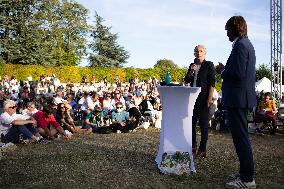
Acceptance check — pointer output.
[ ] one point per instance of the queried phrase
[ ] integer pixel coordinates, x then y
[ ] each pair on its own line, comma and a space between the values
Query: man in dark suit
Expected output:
201, 74
238, 96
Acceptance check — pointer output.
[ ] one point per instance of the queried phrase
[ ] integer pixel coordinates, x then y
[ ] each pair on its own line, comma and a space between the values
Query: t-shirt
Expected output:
95, 118
120, 117
43, 122
26, 111
195, 75
268, 106
6, 121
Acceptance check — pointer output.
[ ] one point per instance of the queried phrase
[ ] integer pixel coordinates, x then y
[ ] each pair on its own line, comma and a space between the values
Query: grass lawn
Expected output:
128, 161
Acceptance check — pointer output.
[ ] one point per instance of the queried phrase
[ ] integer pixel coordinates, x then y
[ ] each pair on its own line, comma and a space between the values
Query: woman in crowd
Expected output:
117, 98
47, 125
30, 110
107, 102
64, 118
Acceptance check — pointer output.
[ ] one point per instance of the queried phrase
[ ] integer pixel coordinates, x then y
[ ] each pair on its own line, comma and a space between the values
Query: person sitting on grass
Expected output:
129, 102
70, 100
25, 96
47, 125
120, 118
266, 111
94, 120
13, 125
30, 110
117, 97
63, 117
106, 105
59, 97
95, 100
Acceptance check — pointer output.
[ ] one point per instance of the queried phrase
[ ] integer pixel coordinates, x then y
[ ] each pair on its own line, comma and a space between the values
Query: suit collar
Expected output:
201, 62
237, 40
234, 42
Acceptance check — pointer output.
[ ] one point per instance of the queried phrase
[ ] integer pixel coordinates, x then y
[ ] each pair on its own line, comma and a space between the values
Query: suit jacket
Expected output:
205, 80
238, 87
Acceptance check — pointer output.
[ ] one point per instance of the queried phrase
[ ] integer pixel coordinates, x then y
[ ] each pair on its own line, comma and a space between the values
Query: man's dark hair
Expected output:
97, 109
47, 109
237, 26
267, 94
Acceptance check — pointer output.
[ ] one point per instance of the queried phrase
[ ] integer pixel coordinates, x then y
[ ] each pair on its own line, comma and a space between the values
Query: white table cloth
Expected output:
176, 131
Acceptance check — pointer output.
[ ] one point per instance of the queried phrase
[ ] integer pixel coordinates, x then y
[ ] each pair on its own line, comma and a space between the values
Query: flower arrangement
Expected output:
177, 163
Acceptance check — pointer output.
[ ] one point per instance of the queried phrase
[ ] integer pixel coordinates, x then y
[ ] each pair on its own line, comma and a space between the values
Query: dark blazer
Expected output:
238, 87
205, 80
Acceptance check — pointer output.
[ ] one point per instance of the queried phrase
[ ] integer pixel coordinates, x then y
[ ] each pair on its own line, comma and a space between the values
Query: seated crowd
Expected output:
100, 107
32, 117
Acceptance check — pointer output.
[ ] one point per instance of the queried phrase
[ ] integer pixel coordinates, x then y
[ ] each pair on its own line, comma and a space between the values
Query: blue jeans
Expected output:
14, 132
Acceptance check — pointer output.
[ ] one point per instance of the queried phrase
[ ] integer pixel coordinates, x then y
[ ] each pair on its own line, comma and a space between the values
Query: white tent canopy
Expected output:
263, 84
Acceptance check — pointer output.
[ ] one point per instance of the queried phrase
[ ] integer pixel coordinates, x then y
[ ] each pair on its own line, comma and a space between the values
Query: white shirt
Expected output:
58, 100
56, 82
6, 121
26, 111
195, 74
107, 105
14, 96
92, 103
113, 102
87, 103
233, 44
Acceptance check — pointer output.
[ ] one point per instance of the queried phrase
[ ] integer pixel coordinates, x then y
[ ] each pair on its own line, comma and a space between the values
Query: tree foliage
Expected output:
105, 50
263, 71
75, 73
19, 31
46, 32
219, 68
165, 63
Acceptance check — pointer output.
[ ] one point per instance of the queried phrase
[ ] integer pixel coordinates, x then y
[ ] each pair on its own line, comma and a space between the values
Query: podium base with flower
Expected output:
175, 150
177, 163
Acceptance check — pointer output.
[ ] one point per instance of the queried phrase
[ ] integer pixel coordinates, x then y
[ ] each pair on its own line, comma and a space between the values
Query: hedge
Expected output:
74, 74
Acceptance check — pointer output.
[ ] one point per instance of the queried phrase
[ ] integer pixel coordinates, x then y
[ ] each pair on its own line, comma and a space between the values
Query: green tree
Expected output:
219, 68
106, 51
20, 34
263, 71
65, 28
165, 64
46, 32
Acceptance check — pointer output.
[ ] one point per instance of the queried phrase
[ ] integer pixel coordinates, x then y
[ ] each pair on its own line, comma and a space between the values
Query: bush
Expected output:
74, 74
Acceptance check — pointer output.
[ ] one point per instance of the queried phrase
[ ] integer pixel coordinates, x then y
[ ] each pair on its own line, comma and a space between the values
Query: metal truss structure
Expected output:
276, 47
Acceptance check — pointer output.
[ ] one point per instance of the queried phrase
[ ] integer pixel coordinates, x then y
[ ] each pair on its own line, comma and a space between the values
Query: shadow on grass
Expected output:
128, 161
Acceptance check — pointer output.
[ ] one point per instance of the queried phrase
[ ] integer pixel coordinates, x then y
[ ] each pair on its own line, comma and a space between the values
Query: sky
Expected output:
151, 30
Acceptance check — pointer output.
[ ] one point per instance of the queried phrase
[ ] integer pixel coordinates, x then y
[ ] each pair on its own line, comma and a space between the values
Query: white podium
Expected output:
176, 131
